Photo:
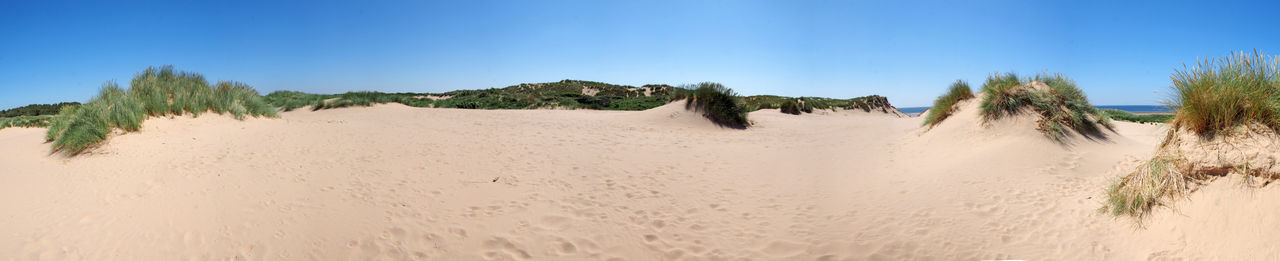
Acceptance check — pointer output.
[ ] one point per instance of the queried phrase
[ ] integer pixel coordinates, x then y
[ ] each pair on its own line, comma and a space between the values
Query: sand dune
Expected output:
394, 182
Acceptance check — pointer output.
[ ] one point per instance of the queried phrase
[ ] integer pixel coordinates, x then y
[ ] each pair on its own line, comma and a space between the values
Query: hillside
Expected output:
566, 94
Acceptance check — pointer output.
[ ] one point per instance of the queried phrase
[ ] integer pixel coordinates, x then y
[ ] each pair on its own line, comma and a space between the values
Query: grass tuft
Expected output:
1219, 94
946, 104
1054, 97
1234, 95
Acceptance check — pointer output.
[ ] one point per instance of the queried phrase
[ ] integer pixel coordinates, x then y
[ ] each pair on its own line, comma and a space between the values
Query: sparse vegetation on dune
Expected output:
566, 94
1120, 115
25, 121
946, 104
153, 92
1054, 97
808, 104
1230, 103
721, 105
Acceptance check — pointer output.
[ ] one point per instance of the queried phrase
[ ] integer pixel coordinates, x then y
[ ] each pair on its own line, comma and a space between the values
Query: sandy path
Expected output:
393, 182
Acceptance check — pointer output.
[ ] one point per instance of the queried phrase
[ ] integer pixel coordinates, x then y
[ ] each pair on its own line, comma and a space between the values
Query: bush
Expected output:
720, 104
790, 107
1055, 98
1223, 93
946, 104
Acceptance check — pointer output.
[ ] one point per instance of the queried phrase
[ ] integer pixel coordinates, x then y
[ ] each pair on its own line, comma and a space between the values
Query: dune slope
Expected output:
393, 182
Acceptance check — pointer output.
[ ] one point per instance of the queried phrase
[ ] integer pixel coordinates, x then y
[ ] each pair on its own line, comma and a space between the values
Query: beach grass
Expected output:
1056, 98
718, 103
945, 105
1234, 95
155, 92
1219, 94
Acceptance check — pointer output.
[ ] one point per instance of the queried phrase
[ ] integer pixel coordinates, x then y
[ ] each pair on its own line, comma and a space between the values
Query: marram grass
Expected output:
153, 92
1061, 105
1216, 96
1219, 94
945, 105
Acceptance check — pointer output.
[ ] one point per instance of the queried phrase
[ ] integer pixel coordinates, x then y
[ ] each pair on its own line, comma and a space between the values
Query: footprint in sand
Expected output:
500, 248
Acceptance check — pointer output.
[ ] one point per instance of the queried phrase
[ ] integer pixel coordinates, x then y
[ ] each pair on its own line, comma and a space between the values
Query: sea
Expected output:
1129, 108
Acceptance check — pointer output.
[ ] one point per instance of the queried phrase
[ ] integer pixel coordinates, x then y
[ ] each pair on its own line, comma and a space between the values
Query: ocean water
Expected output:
1128, 108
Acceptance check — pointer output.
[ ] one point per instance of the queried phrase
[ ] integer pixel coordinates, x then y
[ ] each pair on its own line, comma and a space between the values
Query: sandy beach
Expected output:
399, 183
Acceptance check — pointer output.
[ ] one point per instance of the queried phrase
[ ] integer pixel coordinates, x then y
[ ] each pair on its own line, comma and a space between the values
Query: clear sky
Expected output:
1119, 53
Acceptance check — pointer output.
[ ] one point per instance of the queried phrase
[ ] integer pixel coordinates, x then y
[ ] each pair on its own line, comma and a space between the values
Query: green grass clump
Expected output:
721, 105
165, 92
154, 92
1120, 115
1223, 93
946, 104
1054, 97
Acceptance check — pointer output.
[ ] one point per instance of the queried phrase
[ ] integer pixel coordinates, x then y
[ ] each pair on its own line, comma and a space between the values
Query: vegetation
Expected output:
808, 104
721, 105
1223, 93
946, 104
1137, 193
795, 108
35, 110
1055, 98
154, 92
1120, 115
25, 121
567, 94
1238, 94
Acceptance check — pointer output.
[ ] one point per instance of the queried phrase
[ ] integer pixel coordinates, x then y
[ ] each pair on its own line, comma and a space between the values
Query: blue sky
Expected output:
1119, 53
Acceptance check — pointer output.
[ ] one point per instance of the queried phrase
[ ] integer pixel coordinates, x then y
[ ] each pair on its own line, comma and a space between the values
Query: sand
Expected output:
395, 182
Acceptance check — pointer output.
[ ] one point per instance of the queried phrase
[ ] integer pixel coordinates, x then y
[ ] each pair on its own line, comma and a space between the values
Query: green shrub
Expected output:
1226, 92
946, 104
790, 107
721, 105
1058, 101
